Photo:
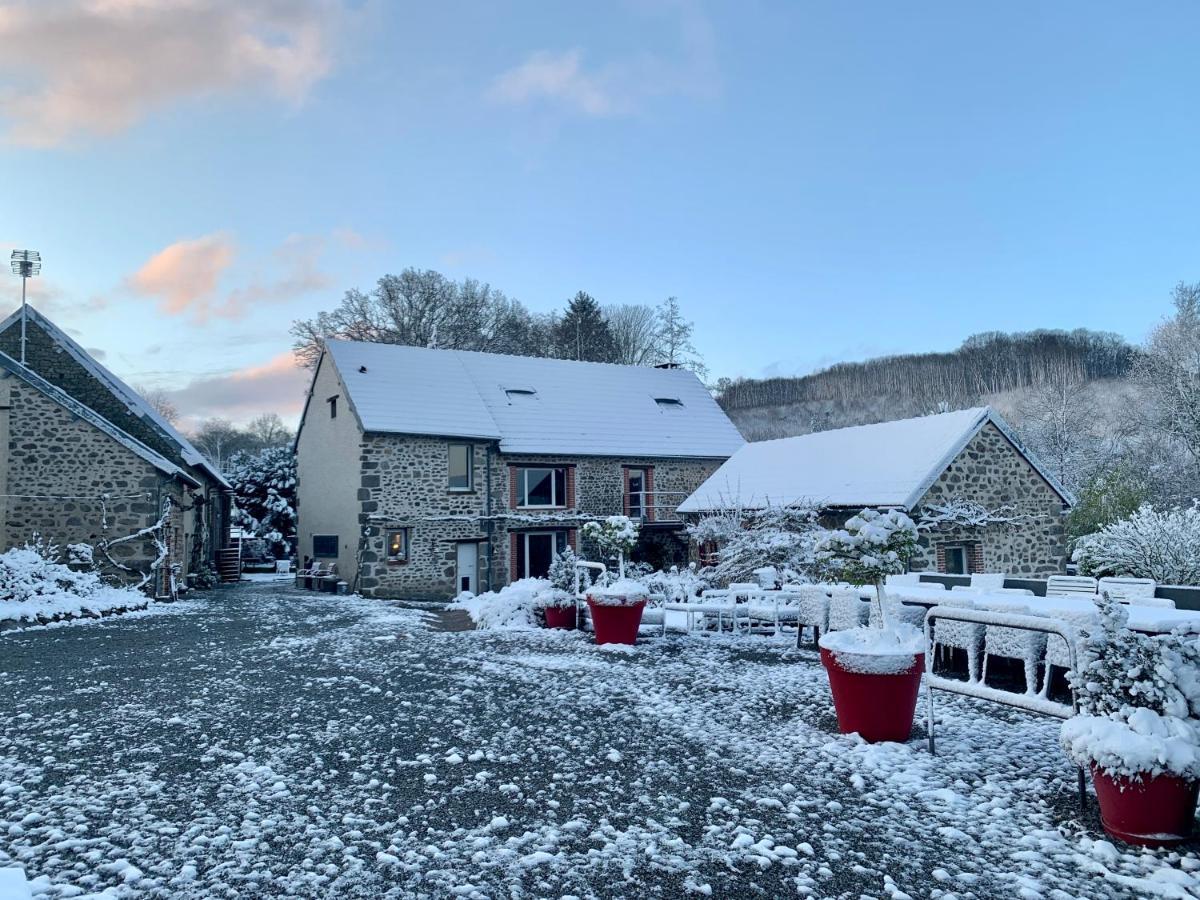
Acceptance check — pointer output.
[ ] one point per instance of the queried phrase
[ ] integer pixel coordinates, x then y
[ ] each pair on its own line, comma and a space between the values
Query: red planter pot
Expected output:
878, 707
560, 617
616, 624
1153, 812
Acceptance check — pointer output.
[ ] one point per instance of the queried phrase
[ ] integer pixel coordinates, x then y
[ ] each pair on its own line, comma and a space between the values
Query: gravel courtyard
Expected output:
264, 742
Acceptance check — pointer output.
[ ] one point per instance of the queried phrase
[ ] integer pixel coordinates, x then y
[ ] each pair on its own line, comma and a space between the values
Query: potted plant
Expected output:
558, 603
617, 608
874, 670
1138, 728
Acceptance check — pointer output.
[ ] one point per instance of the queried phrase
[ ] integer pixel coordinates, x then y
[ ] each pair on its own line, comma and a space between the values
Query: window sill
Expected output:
397, 562
542, 508
469, 490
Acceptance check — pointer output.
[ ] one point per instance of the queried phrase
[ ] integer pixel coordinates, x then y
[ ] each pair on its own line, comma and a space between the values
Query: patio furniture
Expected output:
1134, 590
959, 635
1070, 586
812, 611
907, 579
988, 581
1012, 643
714, 602
847, 609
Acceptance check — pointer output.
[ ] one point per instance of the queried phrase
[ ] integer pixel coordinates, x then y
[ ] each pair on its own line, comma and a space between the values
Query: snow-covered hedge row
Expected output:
513, 606
35, 585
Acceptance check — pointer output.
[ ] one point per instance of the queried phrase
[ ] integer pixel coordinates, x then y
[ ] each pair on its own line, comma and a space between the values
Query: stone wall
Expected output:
405, 485
991, 472
55, 470
45, 357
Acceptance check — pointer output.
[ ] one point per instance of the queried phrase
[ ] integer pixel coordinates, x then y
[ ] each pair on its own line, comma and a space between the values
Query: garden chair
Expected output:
1013, 643
988, 581
966, 636
1057, 653
907, 579
847, 609
1138, 591
1070, 586
812, 611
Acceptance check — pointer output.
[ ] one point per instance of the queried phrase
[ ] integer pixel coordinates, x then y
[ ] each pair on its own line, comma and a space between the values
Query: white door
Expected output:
468, 567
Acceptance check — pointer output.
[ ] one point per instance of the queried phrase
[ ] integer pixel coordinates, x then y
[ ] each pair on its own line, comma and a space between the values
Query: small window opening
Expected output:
668, 402
519, 394
333, 407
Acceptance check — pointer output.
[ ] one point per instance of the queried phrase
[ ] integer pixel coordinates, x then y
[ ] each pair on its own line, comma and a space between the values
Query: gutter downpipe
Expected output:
487, 512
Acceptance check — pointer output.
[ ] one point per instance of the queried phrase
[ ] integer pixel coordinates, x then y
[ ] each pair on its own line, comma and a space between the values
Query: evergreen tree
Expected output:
583, 333
264, 486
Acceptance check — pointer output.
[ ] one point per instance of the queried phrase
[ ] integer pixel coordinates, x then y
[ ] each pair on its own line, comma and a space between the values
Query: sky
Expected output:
815, 182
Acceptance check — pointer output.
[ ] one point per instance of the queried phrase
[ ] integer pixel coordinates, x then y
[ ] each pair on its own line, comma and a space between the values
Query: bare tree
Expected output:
268, 431
160, 401
675, 339
636, 333
1169, 373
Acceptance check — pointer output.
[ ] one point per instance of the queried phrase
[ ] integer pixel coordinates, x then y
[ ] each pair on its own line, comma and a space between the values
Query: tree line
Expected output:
987, 363
423, 308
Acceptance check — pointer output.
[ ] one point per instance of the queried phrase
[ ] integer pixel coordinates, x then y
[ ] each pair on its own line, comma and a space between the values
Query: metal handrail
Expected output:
981, 691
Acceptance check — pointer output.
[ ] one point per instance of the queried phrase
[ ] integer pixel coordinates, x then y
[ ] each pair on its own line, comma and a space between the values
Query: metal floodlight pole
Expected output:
25, 264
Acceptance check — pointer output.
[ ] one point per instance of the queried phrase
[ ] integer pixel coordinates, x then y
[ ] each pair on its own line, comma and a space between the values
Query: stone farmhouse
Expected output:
85, 460
983, 503
422, 473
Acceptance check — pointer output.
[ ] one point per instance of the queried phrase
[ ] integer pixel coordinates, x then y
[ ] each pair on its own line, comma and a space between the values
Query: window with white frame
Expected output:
397, 545
538, 486
461, 458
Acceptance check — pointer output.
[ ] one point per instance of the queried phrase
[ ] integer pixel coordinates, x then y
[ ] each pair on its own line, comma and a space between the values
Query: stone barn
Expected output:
84, 459
422, 473
983, 503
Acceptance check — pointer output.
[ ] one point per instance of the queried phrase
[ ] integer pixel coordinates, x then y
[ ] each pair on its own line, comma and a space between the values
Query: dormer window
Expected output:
519, 394
669, 402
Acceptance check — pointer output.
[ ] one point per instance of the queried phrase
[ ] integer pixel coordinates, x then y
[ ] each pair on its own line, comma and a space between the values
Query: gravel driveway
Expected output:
264, 742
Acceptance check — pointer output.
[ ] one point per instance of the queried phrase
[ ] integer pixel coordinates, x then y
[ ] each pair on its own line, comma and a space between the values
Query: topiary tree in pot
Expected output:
558, 602
617, 608
1138, 728
874, 670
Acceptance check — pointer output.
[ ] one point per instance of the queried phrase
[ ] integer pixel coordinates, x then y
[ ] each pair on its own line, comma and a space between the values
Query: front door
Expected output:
468, 568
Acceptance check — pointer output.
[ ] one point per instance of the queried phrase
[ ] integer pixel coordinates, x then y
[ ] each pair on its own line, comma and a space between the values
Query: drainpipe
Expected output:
487, 512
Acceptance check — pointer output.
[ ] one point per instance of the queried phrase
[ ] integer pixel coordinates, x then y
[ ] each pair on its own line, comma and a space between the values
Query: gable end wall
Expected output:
990, 471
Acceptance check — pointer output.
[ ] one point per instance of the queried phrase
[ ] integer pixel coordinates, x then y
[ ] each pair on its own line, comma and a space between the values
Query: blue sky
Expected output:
814, 181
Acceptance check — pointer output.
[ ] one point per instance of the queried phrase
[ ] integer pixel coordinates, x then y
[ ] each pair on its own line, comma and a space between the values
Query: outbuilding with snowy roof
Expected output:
983, 500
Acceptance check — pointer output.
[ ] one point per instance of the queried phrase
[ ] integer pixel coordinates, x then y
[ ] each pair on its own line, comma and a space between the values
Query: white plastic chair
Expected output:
1138, 591
812, 610
907, 579
966, 636
988, 581
1070, 586
1014, 643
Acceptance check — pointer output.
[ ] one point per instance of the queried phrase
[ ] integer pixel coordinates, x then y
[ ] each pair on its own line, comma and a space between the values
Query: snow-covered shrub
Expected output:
615, 536
1139, 701
34, 583
779, 537
678, 585
513, 606
264, 485
1159, 544
873, 545
563, 572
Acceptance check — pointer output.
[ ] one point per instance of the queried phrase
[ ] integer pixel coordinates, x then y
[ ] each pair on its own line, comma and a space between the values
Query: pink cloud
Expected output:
184, 275
278, 386
99, 66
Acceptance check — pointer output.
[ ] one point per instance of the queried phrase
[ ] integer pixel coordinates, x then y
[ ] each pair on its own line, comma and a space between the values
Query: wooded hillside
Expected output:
895, 387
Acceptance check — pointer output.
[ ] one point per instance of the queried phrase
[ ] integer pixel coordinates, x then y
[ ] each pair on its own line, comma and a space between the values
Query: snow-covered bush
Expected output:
264, 485
34, 583
678, 585
510, 607
1159, 544
873, 545
615, 536
1139, 701
782, 537
563, 572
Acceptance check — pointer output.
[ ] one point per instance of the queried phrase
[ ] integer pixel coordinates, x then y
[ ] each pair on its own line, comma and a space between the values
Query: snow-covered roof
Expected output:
533, 405
123, 392
65, 400
888, 464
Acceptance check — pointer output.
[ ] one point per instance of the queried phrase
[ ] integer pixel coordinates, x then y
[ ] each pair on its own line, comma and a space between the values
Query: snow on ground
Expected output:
268, 742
